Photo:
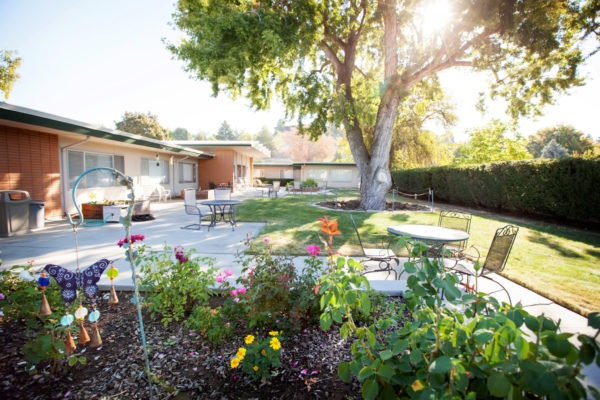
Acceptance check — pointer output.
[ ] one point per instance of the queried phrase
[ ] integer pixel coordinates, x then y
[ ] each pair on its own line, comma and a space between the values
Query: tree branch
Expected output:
332, 57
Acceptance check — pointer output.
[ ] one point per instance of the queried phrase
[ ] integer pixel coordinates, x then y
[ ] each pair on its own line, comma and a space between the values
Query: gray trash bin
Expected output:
36, 214
14, 212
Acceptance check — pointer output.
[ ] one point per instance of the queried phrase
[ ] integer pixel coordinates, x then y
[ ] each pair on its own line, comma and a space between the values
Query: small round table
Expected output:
224, 208
428, 233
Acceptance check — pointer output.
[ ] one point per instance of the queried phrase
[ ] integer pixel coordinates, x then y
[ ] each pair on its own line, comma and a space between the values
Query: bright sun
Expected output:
436, 14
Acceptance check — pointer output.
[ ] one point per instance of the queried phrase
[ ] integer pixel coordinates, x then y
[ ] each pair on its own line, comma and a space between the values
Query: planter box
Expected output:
92, 211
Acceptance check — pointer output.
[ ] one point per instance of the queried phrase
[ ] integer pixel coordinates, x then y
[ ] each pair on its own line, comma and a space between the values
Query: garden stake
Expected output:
112, 273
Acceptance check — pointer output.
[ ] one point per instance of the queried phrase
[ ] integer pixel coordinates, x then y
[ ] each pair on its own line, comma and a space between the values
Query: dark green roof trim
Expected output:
32, 117
332, 164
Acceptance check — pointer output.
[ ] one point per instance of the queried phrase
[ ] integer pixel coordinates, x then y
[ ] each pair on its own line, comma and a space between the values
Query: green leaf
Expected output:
365, 303
386, 372
370, 389
399, 346
340, 262
365, 372
587, 353
325, 321
482, 336
594, 320
350, 297
338, 315
386, 354
532, 323
558, 347
371, 338
344, 371
522, 347
72, 361
498, 384
441, 365
352, 263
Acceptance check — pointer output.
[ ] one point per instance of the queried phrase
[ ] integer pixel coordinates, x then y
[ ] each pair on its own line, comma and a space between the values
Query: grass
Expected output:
558, 262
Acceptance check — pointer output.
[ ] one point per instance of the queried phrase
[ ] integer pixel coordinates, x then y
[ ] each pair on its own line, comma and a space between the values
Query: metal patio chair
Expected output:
273, 190
226, 210
191, 208
377, 248
496, 258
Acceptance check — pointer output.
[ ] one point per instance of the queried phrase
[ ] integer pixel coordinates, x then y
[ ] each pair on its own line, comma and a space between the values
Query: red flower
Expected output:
329, 227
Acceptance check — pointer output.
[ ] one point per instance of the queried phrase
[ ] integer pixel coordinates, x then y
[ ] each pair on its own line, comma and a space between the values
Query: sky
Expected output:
92, 61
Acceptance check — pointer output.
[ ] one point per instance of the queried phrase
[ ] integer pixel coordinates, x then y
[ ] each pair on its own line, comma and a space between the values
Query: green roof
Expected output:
33, 117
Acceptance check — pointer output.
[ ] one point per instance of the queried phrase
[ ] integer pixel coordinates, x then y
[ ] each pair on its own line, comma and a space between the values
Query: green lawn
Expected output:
558, 262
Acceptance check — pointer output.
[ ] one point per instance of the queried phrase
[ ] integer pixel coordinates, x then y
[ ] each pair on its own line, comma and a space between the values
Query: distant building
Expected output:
331, 174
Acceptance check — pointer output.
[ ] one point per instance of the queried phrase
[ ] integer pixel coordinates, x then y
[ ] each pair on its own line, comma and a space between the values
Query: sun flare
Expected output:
435, 17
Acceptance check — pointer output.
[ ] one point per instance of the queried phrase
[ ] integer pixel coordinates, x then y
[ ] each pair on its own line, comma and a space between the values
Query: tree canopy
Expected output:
180, 134
491, 143
142, 124
226, 133
354, 62
9, 63
554, 150
265, 137
572, 140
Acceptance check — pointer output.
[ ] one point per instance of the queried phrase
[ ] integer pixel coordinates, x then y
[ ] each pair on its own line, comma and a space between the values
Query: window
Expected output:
79, 162
155, 171
187, 173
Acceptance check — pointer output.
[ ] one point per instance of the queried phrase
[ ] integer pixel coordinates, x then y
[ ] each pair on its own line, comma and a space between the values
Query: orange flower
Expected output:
329, 227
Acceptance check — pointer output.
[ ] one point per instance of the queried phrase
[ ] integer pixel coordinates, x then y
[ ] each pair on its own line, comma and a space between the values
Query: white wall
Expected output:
335, 176
132, 163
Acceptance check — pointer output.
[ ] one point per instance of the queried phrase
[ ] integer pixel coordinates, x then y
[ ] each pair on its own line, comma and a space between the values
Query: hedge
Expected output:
564, 188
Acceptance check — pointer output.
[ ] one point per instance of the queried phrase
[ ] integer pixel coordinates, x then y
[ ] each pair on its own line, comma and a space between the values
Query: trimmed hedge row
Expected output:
565, 188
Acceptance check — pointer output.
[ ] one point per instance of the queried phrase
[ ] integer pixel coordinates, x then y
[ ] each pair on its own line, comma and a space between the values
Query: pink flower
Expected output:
266, 240
234, 292
219, 278
228, 272
251, 271
3, 296
338, 254
192, 271
242, 290
314, 372
237, 299
295, 363
313, 250
304, 372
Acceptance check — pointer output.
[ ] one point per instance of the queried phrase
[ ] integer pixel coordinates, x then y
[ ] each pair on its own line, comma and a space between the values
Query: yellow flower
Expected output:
241, 353
263, 352
255, 368
275, 344
249, 339
235, 362
273, 333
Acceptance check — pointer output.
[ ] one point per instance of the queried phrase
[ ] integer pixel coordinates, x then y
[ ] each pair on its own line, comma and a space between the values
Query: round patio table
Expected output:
224, 208
429, 233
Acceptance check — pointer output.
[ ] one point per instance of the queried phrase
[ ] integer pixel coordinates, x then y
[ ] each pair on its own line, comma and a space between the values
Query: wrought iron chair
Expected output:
378, 251
226, 210
455, 220
191, 208
496, 258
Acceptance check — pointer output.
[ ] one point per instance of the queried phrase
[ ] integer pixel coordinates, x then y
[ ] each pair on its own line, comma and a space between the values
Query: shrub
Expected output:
310, 182
562, 188
456, 345
260, 356
174, 282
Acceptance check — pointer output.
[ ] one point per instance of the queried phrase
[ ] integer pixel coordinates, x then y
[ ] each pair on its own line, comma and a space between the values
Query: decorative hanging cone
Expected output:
45, 307
113, 299
69, 344
96, 339
83, 335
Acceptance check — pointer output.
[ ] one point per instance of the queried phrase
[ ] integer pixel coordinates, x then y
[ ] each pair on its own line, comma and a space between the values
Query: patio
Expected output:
54, 244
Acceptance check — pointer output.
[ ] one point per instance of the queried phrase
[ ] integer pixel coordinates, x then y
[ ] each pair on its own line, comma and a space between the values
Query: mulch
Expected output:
187, 365
355, 205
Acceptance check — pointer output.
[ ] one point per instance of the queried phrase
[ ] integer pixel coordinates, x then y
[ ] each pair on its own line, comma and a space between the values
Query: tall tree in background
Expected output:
226, 133
265, 137
355, 61
554, 150
180, 134
9, 63
491, 143
142, 124
301, 148
412, 146
568, 137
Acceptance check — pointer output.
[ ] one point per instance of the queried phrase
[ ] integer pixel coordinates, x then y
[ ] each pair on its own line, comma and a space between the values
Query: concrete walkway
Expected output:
55, 244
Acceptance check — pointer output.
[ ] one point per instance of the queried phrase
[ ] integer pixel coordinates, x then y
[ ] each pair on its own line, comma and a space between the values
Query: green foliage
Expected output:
277, 297
210, 322
568, 137
490, 143
142, 124
260, 356
174, 285
554, 150
310, 182
226, 133
21, 304
560, 188
9, 63
180, 134
456, 345
265, 137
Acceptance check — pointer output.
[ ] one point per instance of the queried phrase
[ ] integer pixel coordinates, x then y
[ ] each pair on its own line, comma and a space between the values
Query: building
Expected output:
332, 174
44, 154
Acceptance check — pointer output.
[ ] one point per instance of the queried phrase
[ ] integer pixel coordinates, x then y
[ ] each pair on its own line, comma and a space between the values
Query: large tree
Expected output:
355, 61
226, 133
180, 134
9, 63
142, 124
572, 140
